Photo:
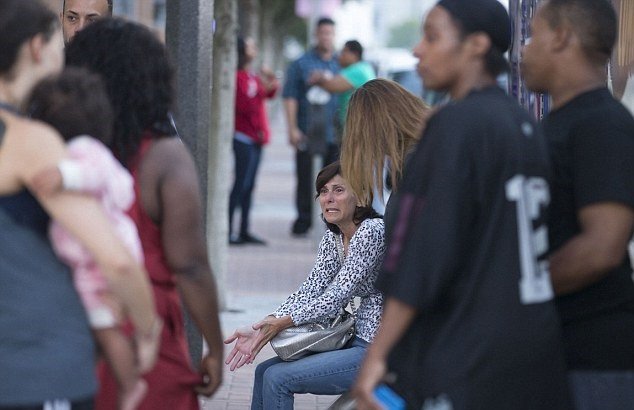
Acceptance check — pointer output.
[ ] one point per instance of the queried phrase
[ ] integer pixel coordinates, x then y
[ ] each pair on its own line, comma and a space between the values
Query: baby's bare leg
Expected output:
119, 353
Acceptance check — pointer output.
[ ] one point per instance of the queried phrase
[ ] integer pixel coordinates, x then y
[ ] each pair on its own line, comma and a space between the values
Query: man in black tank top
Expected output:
591, 138
469, 321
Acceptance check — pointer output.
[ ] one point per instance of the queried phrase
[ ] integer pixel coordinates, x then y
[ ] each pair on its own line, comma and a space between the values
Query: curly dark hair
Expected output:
361, 213
74, 103
21, 20
138, 76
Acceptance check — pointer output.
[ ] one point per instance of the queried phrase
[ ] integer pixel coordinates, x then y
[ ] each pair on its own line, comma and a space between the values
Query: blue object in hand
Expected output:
388, 399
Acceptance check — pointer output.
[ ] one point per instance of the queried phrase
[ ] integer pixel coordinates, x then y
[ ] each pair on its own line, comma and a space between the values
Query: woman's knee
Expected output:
259, 372
264, 366
273, 377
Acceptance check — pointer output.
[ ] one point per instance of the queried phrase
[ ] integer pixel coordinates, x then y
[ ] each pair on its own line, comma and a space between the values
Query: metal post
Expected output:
521, 13
189, 39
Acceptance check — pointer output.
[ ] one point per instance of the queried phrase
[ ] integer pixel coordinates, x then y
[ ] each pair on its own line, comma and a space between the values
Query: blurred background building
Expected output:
148, 12
388, 29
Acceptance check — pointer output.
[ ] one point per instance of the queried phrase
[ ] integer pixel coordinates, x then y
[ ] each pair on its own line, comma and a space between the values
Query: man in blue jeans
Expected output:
309, 109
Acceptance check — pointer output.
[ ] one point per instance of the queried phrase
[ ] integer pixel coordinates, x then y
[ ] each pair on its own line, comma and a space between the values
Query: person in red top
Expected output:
167, 210
251, 134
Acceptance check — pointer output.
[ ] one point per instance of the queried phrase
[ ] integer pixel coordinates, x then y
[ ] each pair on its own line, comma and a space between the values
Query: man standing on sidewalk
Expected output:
77, 14
310, 110
591, 138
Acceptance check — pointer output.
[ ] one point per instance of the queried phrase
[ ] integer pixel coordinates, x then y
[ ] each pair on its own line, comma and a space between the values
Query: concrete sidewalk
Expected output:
261, 277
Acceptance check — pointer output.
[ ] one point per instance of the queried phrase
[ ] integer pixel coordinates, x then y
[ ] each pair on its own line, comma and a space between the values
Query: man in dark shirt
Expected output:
591, 139
469, 321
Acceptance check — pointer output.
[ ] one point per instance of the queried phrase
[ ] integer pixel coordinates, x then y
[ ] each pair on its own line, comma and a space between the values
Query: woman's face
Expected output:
250, 49
439, 51
52, 54
538, 56
337, 202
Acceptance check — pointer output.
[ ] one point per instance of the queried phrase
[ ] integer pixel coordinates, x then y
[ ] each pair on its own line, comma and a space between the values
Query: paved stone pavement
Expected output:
260, 277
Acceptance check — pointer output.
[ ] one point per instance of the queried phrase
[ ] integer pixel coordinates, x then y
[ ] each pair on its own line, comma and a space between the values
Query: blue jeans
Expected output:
599, 390
247, 161
276, 381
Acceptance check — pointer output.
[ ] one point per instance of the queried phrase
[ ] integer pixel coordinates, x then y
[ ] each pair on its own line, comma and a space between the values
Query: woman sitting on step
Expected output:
348, 261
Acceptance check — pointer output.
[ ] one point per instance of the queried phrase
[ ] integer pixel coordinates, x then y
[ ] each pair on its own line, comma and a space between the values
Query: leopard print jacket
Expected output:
332, 284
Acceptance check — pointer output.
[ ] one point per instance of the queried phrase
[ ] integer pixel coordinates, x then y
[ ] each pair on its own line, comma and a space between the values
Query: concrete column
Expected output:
189, 40
220, 154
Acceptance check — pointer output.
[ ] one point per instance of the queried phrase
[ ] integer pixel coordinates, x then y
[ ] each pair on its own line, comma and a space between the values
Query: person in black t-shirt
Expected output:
591, 138
469, 321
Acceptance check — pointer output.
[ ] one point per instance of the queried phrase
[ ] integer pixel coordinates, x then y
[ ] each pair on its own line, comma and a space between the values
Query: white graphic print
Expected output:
530, 194
57, 405
441, 402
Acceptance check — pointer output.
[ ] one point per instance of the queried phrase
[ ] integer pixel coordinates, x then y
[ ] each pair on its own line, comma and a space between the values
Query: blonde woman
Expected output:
383, 125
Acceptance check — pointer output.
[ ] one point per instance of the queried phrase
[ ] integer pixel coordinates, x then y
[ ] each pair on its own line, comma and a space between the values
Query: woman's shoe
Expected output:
235, 240
248, 238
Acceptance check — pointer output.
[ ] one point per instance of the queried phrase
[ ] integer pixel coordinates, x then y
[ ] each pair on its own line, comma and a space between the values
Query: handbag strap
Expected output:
340, 251
353, 307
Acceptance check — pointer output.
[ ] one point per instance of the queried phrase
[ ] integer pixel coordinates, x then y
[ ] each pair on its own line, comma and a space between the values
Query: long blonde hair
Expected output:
383, 124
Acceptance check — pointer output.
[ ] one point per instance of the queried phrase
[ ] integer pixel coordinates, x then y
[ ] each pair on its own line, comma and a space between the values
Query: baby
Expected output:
75, 103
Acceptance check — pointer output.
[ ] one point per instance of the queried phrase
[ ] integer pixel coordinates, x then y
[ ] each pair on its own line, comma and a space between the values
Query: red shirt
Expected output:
250, 118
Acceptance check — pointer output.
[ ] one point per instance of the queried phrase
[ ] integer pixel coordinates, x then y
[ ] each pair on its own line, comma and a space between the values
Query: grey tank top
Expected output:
46, 348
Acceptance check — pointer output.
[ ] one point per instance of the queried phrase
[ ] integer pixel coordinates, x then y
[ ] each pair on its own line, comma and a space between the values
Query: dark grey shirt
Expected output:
46, 348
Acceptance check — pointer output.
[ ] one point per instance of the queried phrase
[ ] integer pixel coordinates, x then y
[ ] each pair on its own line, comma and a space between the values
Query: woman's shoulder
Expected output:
30, 140
167, 156
328, 237
373, 224
27, 147
39, 136
23, 128
372, 227
167, 150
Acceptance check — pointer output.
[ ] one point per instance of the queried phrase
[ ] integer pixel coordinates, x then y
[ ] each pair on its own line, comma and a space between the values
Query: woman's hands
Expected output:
250, 340
211, 369
241, 352
267, 329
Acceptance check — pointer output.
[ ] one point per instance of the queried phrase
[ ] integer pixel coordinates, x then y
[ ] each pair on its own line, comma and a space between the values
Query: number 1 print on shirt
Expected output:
529, 195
